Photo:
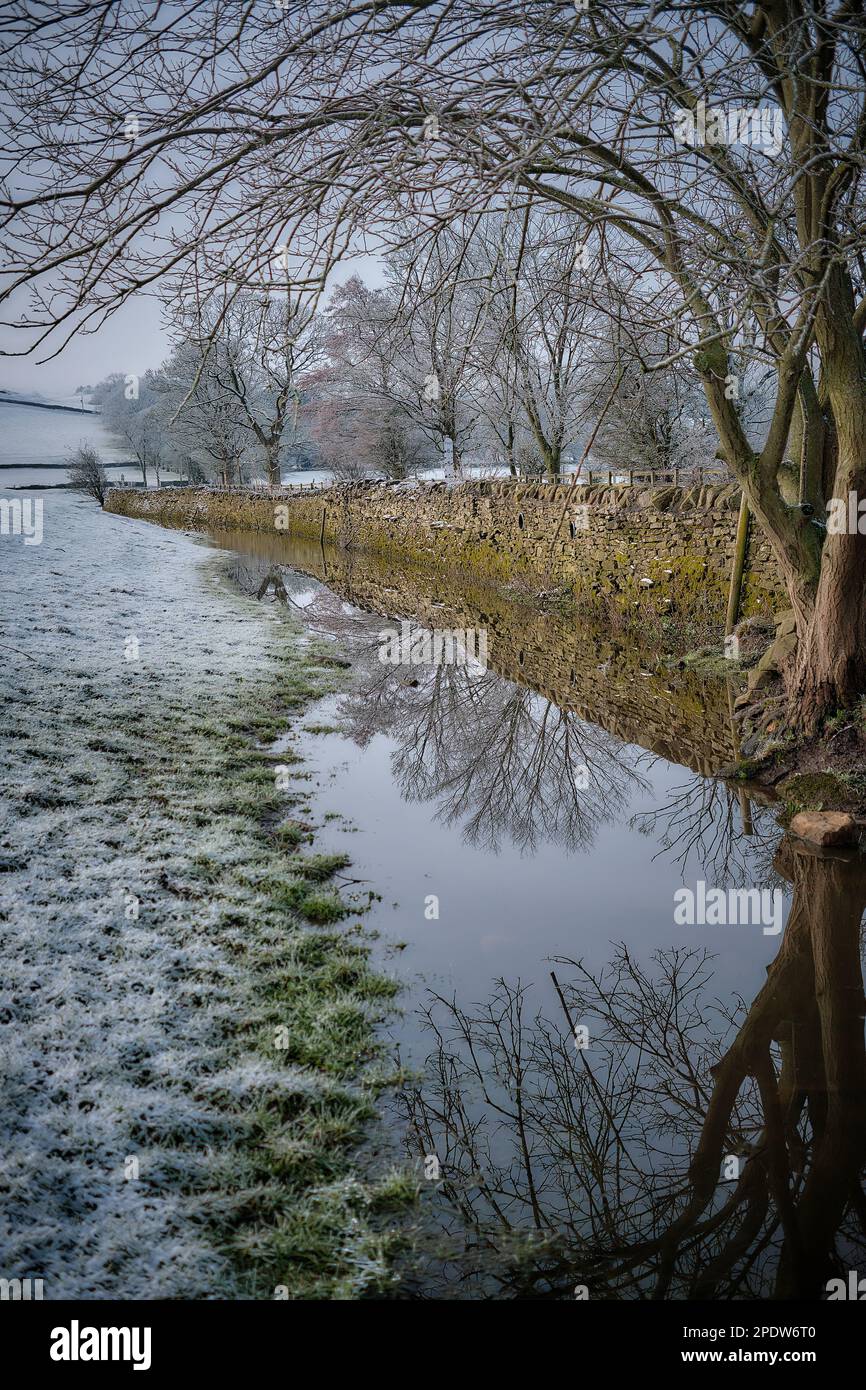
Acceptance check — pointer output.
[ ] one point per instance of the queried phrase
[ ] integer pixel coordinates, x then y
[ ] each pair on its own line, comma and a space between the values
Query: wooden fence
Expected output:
592, 477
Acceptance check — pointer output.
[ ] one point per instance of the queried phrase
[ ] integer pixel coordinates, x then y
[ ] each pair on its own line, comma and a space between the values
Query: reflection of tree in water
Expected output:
613, 1159
321, 610
705, 821
498, 759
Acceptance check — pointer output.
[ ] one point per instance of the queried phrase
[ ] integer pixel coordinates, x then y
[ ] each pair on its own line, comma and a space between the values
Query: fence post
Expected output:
739, 565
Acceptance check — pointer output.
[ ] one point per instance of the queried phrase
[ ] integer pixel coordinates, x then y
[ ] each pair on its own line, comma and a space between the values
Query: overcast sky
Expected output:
132, 340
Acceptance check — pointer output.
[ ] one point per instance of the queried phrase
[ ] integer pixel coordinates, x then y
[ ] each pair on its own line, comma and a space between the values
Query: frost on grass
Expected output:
180, 1049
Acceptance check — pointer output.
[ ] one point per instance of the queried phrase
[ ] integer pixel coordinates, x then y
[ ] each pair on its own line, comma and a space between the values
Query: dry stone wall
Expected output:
664, 547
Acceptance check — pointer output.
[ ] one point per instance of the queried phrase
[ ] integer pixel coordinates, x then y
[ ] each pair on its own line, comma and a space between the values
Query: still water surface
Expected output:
521, 906
710, 1140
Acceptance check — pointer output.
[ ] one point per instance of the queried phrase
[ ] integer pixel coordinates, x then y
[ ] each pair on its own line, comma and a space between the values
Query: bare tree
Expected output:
360, 404
652, 419
437, 325
130, 408
202, 412
257, 349
87, 474
527, 274
403, 355
715, 153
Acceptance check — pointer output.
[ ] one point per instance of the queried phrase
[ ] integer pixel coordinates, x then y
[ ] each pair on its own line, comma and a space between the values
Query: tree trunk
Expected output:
826, 585
549, 452
795, 543
272, 464
831, 669
551, 459
831, 666
509, 453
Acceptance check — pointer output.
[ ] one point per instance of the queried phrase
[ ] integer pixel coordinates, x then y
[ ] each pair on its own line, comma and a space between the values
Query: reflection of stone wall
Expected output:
676, 715
668, 548
673, 714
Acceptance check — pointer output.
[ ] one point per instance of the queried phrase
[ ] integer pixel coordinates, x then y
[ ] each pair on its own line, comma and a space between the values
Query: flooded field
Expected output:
534, 830
625, 1051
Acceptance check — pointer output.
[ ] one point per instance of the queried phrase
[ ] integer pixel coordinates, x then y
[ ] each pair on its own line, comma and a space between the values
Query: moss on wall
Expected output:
661, 550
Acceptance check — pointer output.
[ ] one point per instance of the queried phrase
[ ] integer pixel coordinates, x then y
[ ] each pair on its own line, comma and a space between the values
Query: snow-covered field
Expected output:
146, 958
30, 437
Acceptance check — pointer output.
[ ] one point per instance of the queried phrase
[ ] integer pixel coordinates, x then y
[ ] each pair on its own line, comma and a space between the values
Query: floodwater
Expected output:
606, 1097
600, 1093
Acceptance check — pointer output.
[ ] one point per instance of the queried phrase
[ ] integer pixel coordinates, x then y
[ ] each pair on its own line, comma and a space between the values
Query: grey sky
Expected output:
132, 340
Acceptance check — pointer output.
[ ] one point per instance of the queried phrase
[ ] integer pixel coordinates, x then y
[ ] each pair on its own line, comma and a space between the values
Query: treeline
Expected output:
489, 346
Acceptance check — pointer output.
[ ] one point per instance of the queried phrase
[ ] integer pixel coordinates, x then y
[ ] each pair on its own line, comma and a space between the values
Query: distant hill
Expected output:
41, 403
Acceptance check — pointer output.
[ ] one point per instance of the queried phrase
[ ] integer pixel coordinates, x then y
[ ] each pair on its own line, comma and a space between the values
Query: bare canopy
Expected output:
711, 155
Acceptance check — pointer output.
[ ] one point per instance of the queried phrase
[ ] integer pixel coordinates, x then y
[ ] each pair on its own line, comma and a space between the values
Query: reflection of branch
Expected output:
617, 1163
498, 759
274, 577
503, 762
699, 821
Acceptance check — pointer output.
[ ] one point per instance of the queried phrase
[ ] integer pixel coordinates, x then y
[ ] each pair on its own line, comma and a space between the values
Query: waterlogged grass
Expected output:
292, 1213
318, 867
